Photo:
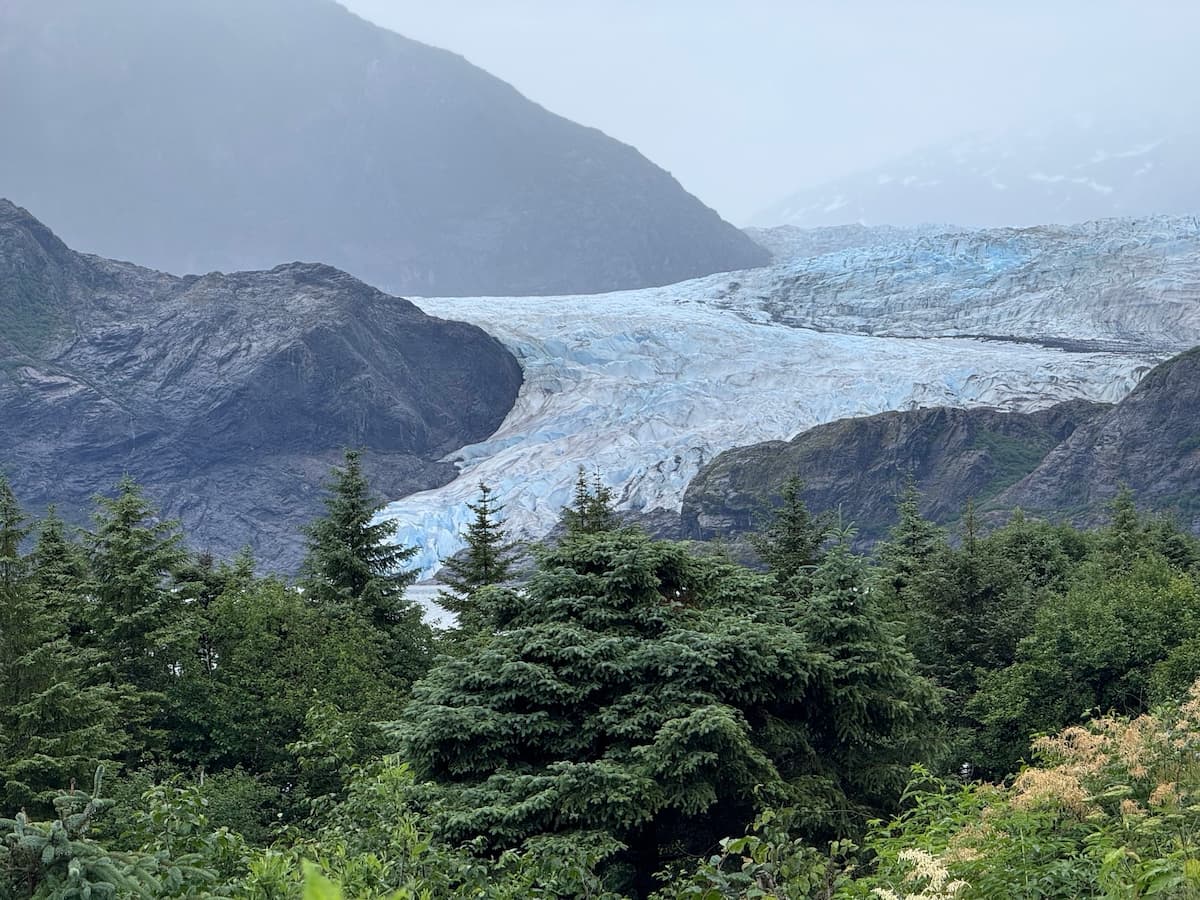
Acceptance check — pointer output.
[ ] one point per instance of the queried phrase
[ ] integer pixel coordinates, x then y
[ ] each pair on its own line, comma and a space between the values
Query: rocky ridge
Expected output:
1065, 463
1150, 442
234, 134
227, 396
857, 467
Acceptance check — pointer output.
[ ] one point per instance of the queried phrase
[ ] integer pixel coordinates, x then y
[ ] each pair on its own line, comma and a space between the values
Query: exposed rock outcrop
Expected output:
859, 465
1149, 442
227, 396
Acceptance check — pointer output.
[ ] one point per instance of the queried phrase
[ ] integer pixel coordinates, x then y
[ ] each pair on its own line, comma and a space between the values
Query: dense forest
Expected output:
1004, 711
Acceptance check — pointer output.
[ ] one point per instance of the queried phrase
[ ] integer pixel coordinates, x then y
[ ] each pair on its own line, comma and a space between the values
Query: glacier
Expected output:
643, 387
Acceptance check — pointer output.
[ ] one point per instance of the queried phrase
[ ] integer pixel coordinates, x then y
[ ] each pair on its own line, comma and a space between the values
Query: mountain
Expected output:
194, 135
859, 465
1149, 442
1064, 463
228, 396
647, 387
1075, 169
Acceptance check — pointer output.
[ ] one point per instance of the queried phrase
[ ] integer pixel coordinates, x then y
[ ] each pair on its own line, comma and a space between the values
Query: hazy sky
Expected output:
745, 101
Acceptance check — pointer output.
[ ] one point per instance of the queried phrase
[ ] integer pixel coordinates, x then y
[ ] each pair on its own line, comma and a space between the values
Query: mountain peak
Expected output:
277, 130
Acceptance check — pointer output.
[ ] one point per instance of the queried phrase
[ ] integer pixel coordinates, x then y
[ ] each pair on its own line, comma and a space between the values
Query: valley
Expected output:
646, 387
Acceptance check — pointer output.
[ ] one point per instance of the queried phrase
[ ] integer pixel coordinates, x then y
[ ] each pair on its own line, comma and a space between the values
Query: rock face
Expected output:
1070, 170
227, 396
1150, 442
858, 466
1064, 463
232, 134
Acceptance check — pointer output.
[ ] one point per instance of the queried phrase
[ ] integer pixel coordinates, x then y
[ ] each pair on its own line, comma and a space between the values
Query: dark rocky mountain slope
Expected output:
1150, 442
227, 396
859, 465
232, 134
1064, 463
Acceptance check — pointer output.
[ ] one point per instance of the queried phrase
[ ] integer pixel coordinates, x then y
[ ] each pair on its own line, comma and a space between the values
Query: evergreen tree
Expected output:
911, 543
1123, 538
486, 560
59, 572
352, 567
791, 542
56, 723
869, 714
56, 860
135, 612
606, 703
591, 510
915, 573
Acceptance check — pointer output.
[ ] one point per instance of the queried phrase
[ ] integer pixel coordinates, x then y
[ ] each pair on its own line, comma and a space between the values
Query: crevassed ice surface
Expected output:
645, 386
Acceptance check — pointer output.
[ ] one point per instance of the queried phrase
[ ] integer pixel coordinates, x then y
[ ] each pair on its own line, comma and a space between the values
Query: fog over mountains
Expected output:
195, 135
1073, 169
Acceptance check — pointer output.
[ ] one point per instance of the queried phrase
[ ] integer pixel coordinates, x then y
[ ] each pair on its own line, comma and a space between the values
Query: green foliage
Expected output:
271, 656
1095, 648
135, 616
591, 510
606, 723
610, 699
56, 861
373, 846
791, 542
486, 560
1013, 458
352, 569
32, 315
768, 862
57, 724
869, 713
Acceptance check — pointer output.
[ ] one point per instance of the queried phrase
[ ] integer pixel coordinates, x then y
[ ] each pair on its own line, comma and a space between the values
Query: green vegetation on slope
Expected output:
633, 720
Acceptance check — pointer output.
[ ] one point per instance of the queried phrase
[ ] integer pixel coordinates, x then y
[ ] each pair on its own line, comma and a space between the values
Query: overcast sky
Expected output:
746, 100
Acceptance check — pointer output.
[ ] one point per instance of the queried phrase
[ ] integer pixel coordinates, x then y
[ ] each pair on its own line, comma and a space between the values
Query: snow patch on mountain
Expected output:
1069, 170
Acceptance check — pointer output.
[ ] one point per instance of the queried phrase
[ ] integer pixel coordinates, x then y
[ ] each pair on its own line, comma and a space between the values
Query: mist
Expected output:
745, 102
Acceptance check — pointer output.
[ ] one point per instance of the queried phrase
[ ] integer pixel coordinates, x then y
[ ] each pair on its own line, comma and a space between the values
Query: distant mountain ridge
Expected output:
1074, 170
1149, 442
1066, 463
199, 135
228, 396
856, 467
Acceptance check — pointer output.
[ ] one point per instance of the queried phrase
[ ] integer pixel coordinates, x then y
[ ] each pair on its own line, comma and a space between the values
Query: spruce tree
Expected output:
605, 702
59, 571
870, 713
911, 543
353, 568
135, 614
591, 510
915, 572
57, 860
56, 722
791, 542
486, 560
